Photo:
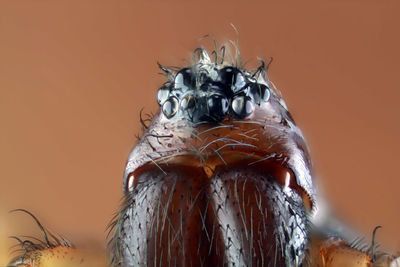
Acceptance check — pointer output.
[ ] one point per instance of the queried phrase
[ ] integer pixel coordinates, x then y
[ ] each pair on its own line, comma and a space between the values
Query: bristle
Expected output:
33, 244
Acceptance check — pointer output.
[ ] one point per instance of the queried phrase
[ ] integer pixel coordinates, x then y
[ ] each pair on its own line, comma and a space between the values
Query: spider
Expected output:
221, 177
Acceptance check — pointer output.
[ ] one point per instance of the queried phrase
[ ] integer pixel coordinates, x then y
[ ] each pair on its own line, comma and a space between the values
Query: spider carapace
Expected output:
220, 177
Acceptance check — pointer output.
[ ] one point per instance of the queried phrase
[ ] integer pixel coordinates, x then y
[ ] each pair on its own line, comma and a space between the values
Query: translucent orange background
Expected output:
75, 74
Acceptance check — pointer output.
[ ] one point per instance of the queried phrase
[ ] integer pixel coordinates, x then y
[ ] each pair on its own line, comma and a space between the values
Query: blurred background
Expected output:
74, 76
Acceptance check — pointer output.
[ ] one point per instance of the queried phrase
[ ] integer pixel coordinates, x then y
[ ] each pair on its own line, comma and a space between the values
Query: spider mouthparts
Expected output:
213, 212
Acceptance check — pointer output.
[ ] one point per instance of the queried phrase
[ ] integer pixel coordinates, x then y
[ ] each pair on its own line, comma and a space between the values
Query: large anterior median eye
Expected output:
217, 106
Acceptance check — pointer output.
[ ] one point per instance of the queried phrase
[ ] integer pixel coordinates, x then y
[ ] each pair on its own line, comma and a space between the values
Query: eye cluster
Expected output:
208, 95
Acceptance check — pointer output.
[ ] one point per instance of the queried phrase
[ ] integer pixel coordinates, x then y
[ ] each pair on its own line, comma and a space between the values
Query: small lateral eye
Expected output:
265, 93
259, 93
188, 102
162, 95
183, 80
242, 106
170, 107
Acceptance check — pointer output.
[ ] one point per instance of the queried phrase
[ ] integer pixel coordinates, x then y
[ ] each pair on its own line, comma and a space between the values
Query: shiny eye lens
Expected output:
170, 107
217, 106
162, 95
228, 69
242, 106
265, 93
258, 93
232, 79
240, 82
188, 102
183, 80
179, 81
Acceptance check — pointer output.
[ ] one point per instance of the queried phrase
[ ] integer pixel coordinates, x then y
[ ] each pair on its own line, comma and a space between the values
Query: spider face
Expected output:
220, 177
208, 93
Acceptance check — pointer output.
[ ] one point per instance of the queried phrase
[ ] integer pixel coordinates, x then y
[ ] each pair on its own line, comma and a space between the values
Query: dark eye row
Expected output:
209, 95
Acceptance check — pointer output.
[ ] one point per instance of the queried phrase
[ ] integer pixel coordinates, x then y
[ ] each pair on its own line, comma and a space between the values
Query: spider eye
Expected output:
162, 95
188, 102
233, 79
217, 106
265, 93
239, 83
170, 107
258, 93
184, 80
242, 106
208, 95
